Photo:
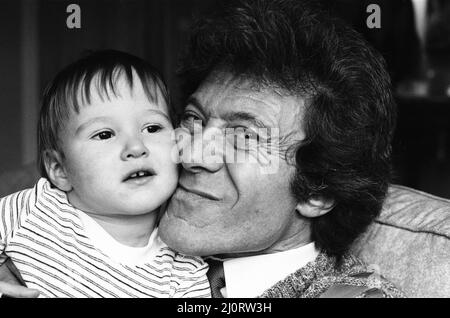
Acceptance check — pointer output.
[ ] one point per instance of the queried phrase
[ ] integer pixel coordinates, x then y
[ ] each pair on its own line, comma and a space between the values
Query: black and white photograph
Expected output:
240, 149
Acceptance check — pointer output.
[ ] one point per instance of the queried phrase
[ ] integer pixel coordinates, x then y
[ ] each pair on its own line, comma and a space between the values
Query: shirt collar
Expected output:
117, 251
249, 277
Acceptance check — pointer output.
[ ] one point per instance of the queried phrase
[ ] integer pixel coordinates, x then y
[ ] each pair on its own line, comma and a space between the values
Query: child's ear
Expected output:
315, 207
56, 171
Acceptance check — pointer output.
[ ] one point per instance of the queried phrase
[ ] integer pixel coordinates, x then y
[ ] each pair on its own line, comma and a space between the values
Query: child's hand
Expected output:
17, 291
10, 284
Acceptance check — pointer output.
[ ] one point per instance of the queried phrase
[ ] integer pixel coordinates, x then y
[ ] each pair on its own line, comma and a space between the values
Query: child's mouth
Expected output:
140, 175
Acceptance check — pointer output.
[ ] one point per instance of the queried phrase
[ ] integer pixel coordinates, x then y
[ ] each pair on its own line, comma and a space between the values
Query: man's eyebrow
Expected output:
90, 122
245, 116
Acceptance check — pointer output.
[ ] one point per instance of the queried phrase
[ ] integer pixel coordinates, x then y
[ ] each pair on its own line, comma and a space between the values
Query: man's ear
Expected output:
56, 171
315, 207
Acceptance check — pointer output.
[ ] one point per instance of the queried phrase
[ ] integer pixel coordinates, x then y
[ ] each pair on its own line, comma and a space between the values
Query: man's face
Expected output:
228, 207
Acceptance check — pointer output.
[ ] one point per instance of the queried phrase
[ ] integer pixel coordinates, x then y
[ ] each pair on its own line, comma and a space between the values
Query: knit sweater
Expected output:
324, 277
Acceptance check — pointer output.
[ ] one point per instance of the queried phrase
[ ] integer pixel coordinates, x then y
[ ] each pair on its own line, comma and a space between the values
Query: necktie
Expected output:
216, 277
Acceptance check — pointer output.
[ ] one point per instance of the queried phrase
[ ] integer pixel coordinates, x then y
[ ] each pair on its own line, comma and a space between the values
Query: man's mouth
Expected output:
198, 192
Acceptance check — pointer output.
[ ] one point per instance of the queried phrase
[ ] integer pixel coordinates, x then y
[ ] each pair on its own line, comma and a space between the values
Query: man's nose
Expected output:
203, 151
134, 148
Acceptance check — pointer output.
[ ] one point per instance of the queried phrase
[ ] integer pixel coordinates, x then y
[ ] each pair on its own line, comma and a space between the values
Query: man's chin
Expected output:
182, 237
173, 232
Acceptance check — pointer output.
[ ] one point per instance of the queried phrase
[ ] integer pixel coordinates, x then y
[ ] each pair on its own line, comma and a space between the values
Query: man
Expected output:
286, 68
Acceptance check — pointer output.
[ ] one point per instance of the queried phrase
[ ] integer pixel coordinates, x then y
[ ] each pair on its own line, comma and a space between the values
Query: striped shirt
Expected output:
46, 238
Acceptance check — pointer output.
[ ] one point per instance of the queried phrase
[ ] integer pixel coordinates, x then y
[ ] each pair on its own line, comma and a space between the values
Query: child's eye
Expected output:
103, 135
153, 129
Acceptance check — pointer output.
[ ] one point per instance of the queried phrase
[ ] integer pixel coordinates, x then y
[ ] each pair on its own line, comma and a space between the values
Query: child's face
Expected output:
117, 153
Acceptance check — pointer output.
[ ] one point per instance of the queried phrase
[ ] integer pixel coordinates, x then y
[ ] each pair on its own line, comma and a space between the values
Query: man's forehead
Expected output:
223, 93
223, 90
244, 82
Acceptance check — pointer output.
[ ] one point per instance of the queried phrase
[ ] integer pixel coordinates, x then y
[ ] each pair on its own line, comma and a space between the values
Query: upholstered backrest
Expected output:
410, 242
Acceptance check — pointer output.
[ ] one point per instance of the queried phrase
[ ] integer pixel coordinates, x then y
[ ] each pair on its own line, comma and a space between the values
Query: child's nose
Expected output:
134, 148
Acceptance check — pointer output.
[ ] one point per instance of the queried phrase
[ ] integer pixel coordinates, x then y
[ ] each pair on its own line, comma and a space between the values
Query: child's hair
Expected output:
73, 85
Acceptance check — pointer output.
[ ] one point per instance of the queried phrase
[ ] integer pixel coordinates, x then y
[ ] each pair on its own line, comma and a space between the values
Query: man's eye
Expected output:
247, 134
103, 135
244, 139
251, 135
189, 119
189, 116
153, 129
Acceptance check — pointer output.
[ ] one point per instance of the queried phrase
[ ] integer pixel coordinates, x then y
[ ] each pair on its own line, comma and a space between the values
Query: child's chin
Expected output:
140, 209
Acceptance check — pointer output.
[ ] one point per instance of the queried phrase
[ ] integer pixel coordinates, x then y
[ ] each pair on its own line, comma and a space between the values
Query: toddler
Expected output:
89, 226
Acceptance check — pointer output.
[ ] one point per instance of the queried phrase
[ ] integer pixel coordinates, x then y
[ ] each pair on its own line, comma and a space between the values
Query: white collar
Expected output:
117, 251
249, 277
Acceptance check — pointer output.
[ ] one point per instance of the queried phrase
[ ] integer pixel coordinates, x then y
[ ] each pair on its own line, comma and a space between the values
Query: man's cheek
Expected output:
244, 174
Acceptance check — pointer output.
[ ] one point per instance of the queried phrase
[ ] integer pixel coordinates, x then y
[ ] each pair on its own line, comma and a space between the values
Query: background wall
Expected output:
10, 113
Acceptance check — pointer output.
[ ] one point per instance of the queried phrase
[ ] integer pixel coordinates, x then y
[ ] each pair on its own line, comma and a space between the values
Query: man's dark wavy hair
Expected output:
350, 114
